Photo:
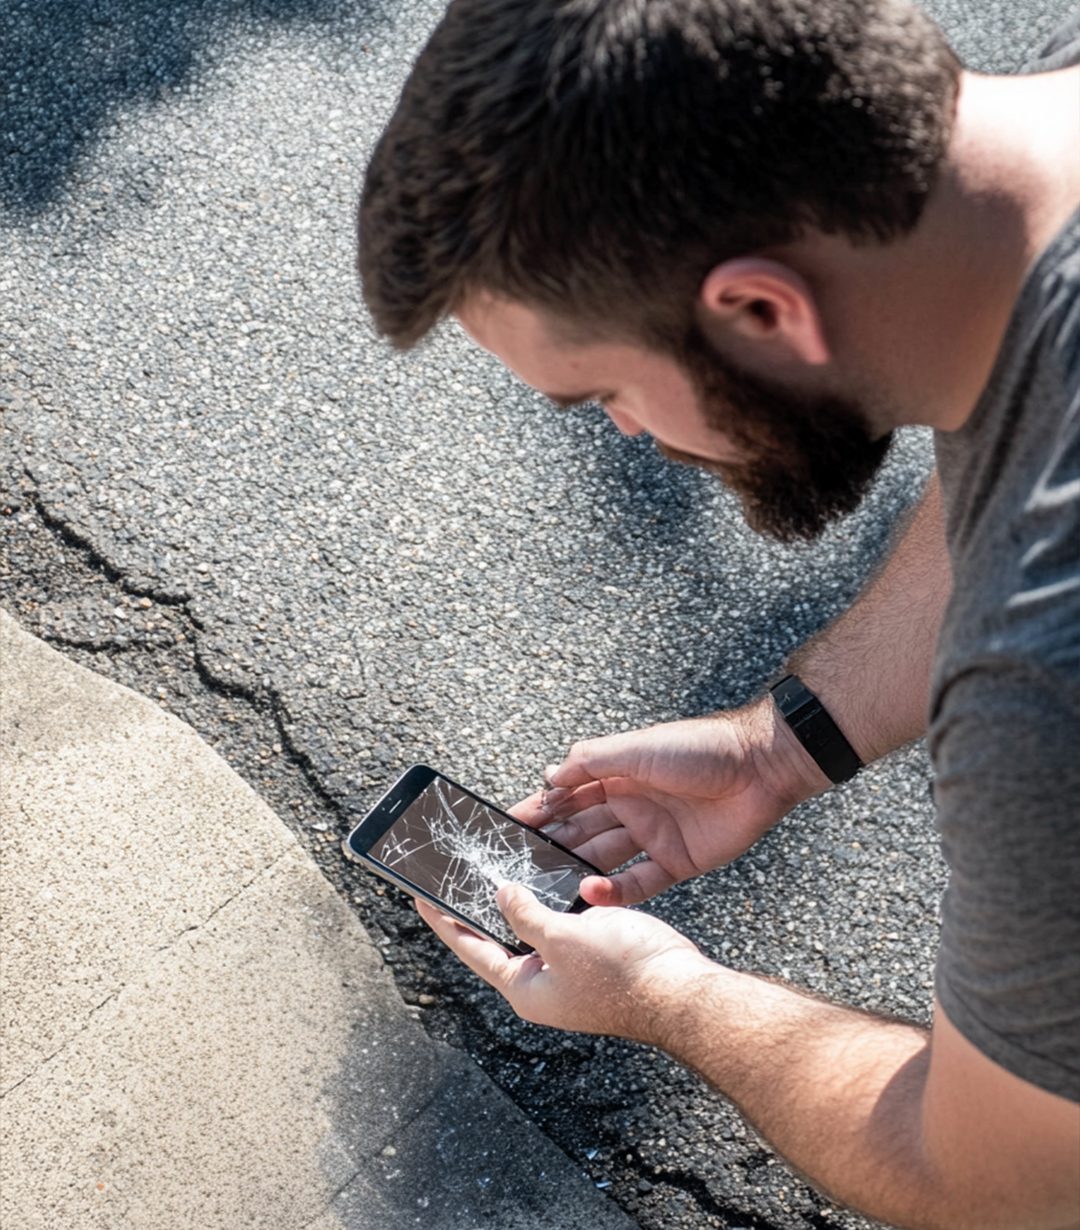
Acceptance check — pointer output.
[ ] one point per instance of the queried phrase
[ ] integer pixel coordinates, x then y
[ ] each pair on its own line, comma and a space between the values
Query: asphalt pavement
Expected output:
220, 489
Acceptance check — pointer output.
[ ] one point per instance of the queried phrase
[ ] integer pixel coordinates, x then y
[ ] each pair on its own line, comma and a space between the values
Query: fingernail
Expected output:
549, 773
552, 802
549, 830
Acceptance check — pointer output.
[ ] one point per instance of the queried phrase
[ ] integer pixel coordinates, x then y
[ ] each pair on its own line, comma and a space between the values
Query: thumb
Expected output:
526, 916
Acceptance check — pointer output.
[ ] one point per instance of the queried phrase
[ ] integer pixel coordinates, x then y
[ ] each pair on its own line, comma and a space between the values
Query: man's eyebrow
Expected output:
567, 401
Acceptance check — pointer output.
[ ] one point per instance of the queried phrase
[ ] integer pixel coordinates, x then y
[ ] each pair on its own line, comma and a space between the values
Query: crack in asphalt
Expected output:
264, 708
94, 557
262, 699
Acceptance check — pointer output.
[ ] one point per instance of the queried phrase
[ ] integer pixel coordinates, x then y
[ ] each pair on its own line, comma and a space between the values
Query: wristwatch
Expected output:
815, 729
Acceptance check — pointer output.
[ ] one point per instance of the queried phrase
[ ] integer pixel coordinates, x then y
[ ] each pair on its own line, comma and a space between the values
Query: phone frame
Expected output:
389, 809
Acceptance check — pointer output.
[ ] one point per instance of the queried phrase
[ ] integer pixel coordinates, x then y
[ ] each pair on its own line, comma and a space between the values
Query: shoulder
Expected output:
1011, 485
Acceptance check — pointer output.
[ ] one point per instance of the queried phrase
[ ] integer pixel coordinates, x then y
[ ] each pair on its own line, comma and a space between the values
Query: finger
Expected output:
548, 805
529, 920
574, 830
562, 801
531, 811
592, 759
608, 850
598, 890
482, 956
637, 883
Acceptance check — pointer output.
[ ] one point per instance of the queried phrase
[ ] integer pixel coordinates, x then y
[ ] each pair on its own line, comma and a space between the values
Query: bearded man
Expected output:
770, 233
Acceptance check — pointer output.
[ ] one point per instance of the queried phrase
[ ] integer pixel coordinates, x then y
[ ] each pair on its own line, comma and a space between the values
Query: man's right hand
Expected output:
691, 795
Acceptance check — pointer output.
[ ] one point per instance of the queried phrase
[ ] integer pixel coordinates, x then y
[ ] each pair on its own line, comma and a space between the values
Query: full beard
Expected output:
808, 459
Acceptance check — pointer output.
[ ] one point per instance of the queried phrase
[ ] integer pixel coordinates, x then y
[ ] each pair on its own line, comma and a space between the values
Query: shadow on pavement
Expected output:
68, 65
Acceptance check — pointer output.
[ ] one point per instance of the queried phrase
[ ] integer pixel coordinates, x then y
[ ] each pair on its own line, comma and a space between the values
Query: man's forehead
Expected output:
529, 340
490, 319
516, 334
569, 371
511, 332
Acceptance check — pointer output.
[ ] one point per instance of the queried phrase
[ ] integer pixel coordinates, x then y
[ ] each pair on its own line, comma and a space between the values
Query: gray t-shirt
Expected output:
1005, 708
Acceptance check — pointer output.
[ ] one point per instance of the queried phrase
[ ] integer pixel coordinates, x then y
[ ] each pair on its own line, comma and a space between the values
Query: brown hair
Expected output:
594, 158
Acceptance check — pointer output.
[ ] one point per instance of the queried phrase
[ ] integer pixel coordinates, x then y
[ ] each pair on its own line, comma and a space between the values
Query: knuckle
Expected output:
566, 831
579, 751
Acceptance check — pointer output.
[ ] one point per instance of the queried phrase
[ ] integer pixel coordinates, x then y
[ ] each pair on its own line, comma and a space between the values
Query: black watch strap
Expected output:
815, 729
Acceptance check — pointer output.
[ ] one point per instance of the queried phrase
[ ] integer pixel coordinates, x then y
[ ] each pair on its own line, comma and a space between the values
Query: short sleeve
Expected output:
1006, 745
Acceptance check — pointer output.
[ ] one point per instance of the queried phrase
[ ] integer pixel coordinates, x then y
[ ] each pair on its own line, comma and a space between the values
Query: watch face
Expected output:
791, 694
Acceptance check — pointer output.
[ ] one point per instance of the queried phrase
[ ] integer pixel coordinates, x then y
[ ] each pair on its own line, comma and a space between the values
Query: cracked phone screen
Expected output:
455, 847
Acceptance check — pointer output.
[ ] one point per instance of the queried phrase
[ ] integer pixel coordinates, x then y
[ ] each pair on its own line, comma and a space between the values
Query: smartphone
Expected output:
437, 840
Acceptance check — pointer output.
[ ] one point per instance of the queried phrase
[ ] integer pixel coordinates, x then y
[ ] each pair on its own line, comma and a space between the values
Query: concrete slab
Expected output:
197, 1030
121, 832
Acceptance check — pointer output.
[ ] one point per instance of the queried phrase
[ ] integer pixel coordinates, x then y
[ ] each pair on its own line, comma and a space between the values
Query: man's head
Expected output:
795, 460
611, 166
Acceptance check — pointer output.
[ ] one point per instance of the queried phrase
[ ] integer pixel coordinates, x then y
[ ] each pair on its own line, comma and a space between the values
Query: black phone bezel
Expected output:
412, 783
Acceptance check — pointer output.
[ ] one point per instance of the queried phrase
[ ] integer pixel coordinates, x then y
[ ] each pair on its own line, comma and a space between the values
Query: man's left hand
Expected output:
604, 971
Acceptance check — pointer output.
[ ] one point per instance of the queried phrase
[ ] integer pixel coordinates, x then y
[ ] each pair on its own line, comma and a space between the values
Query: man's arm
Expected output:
917, 1129
695, 794
871, 666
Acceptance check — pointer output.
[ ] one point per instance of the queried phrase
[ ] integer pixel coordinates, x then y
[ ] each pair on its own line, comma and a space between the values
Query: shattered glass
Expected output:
456, 848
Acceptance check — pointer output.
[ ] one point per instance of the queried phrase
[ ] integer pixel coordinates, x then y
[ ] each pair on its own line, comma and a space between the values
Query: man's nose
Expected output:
627, 425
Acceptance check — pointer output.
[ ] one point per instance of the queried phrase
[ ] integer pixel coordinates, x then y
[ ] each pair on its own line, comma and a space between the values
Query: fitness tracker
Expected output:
815, 729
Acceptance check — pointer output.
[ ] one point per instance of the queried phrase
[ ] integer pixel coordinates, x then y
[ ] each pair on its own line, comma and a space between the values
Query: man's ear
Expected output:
764, 303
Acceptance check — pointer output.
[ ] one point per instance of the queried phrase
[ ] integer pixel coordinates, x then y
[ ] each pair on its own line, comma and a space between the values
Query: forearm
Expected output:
836, 1092
871, 667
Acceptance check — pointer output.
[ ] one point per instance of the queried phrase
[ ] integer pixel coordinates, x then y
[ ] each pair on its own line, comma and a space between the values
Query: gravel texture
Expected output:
220, 488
